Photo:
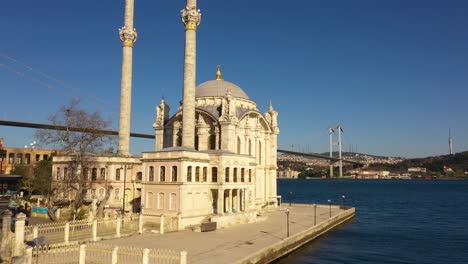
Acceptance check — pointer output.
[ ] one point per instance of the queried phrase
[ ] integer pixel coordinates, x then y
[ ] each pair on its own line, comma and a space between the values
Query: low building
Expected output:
417, 169
288, 174
21, 156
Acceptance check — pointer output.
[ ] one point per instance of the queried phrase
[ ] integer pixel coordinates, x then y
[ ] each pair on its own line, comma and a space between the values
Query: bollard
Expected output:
140, 224
35, 232
115, 256
66, 234
29, 251
315, 214
183, 257
82, 254
161, 225
19, 234
94, 230
146, 256
118, 227
179, 222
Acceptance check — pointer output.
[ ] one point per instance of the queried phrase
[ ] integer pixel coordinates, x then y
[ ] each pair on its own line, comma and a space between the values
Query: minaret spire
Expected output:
128, 37
191, 17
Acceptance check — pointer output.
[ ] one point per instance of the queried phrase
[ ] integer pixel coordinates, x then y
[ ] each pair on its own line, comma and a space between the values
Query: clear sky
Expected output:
393, 73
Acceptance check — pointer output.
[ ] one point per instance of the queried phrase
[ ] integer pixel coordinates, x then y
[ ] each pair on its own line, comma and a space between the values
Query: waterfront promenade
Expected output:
242, 242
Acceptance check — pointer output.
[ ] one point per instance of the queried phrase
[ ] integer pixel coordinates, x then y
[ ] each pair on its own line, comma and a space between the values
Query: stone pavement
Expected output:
234, 243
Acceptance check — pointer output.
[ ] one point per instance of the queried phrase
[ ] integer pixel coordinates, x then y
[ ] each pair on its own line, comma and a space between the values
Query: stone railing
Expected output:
97, 253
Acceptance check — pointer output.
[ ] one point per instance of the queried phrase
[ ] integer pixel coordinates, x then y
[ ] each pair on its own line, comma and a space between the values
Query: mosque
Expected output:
214, 159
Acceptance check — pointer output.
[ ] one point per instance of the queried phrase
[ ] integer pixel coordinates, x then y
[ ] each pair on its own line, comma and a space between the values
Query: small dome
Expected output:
218, 88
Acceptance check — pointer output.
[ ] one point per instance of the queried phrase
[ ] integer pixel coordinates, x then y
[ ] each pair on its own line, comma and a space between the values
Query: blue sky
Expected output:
393, 73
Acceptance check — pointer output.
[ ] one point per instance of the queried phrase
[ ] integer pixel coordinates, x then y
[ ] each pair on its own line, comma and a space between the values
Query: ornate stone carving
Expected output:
162, 114
128, 36
191, 17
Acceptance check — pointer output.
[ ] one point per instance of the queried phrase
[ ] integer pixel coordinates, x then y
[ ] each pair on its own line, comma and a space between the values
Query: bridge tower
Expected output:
331, 131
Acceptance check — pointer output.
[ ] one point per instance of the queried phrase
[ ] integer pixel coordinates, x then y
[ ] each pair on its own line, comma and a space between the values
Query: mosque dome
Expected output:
219, 87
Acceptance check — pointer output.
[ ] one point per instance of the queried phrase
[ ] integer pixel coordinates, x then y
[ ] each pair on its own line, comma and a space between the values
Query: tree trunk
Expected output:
102, 204
50, 209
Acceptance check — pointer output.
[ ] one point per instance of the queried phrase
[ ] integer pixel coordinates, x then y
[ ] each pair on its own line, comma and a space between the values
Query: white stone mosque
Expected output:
214, 159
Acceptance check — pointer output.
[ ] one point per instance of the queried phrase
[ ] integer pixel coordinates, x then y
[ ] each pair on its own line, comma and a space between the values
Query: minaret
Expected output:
191, 17
450, 142
128, 36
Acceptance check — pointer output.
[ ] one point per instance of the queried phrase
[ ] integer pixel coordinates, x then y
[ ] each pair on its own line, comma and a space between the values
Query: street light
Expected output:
344, 198
329, 205
124, 167
315, 214
287, 220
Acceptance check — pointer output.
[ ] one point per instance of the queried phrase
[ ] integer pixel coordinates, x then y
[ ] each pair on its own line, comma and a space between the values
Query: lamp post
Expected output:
329, 205
315, 214
124, 167
343, 198
287, 221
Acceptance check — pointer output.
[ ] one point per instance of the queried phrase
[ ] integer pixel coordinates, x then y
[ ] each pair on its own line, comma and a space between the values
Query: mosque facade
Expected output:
214, 159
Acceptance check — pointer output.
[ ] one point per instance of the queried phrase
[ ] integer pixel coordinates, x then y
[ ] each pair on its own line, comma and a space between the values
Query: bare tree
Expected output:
81, 147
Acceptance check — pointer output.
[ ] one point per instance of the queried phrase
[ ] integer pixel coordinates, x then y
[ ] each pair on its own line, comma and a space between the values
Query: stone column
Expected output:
238, 201
19, 234
191, 18
6, 229
230, 202
128, 37
220, 201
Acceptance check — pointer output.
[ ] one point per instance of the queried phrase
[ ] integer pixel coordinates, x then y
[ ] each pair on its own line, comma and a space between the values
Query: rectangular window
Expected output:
27, 158
57, 175
11, 158
103, 173
235, 175
242, 175
38, 157
117, 174
19, 158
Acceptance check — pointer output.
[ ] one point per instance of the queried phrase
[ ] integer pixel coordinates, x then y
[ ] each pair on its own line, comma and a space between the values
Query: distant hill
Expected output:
457, 162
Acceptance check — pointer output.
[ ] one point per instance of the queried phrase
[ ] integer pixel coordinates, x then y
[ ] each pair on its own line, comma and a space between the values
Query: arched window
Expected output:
101, 193
151, 174
172, 201
214, 174
162, 173
161, 200
149, 200
93, 174
212, 141
174, 173
235, 175
139, 176
189, 174
242, 175
205, 174
226, 174
197, 174
103, 173
117, 174
238, 145
117, 194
